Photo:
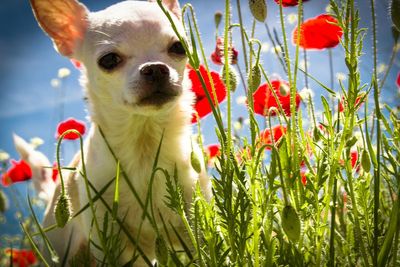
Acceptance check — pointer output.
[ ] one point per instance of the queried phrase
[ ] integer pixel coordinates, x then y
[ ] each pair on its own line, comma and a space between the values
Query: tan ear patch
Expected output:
172, 5
65, 21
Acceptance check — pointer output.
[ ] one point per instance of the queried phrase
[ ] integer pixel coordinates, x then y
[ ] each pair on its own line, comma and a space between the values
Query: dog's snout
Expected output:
154, 72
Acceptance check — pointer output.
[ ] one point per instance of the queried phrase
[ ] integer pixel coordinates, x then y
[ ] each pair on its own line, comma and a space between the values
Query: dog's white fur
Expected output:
141, 33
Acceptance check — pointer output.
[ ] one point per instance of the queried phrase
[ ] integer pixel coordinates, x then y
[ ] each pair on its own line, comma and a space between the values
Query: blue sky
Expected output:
31, 107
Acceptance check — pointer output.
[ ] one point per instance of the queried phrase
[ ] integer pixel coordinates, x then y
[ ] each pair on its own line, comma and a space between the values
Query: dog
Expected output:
133, 68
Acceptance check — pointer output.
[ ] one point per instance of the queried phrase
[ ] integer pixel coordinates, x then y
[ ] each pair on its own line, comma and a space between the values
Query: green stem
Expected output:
244, 50
377, 167
85, 178
227, 76
333, 209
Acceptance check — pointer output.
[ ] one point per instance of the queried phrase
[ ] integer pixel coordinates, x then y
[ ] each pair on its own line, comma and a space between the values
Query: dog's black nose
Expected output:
154, 72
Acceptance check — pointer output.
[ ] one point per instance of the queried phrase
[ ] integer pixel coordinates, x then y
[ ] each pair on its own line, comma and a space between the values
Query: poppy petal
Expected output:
71, 124
213, 150
288, 3
318, 33
18, 172
201, 105
273, 135
264, 98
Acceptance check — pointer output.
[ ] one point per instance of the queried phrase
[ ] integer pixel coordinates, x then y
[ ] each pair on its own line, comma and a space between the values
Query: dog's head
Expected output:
130, 52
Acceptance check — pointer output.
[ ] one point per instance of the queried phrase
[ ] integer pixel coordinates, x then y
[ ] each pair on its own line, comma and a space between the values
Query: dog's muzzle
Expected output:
158, 88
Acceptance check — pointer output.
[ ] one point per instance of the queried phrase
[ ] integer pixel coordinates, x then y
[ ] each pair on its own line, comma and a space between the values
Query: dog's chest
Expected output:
141, 180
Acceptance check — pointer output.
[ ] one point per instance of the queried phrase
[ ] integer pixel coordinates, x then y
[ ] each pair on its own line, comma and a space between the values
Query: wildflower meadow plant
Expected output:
300, 178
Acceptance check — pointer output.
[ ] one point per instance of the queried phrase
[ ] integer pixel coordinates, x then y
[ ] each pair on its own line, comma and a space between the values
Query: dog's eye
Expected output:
109, 61
177, 48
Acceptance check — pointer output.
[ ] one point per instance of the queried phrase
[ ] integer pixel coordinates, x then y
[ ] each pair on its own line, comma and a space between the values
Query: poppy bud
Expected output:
62, 211
258, 9
3, 202
254, 79
291, 223
284, 89
161, 251
365, 161
217, 18
194, 159
233, 79
395, 13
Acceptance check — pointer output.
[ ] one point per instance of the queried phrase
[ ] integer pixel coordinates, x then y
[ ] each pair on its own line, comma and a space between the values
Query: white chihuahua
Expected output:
133, 69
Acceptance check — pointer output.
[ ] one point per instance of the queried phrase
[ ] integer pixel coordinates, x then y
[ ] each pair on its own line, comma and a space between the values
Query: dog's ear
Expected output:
172, 5
65, 21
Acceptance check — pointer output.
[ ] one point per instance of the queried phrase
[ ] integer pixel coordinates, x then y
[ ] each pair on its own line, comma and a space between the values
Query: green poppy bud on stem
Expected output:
3, 202
365, 161
258, 9
194, 160
254, 78
161, 251
217, 18
291, 223
62, 210
395, 13
233, 78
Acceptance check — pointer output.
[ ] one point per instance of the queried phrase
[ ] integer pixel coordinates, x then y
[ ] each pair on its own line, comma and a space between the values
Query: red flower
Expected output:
303, 178
21, 257
54, 174
201, 105
398, 80
277, 132
218, 55
354, 158
286, 3
342, 103
264, 98
318, 33
213, 150
70, 124
18, 172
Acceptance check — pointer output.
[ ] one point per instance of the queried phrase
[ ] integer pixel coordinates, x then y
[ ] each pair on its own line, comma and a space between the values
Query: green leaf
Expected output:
383, 255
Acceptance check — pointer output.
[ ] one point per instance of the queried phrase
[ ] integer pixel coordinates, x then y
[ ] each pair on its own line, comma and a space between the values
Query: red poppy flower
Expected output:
70, 124
286, 3
303, 177
54, 174
264, 98
342, 103
277, 132
354, 158
21, 257
213, 150
218, 55
18, 172
201, 105
398, 80
318, 33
